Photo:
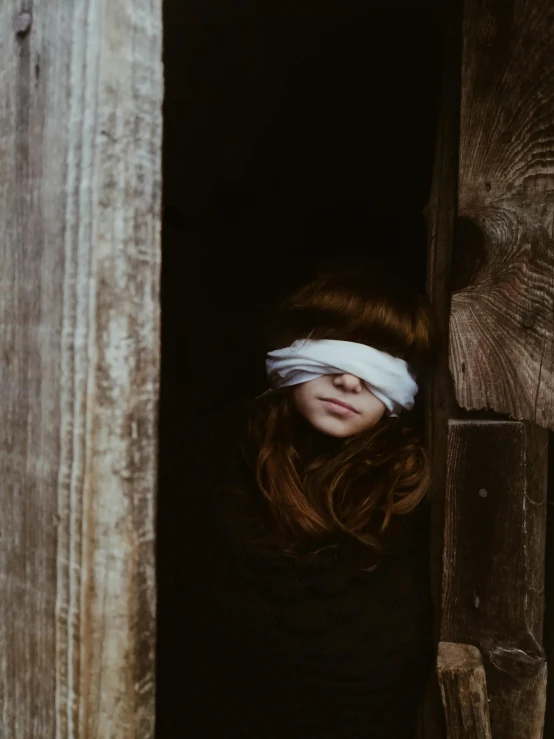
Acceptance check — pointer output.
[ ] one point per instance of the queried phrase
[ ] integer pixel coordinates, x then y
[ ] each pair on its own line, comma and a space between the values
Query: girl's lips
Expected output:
339, 407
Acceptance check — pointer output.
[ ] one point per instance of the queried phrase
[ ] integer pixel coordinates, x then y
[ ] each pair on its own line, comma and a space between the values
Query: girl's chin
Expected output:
334, 428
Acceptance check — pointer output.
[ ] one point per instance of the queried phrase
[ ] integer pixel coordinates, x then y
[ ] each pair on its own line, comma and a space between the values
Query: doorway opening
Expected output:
297, 134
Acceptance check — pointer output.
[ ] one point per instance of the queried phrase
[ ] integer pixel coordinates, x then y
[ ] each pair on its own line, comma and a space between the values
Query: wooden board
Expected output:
549, 595
440, 215
502, 328
493, 578
464, 691
80, 140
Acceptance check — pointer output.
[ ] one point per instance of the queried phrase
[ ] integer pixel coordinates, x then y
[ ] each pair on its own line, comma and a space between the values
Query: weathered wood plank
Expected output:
80, 140
464, 691
493, 581
549, 595
440, 214
502, 332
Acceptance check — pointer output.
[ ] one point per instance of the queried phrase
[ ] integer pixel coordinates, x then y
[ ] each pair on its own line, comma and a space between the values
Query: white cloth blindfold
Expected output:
387, 377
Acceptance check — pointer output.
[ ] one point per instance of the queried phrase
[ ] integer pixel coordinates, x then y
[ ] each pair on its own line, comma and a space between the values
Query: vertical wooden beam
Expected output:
80, 160
549, 595
440, 214
493, 581
464, 691
502, 332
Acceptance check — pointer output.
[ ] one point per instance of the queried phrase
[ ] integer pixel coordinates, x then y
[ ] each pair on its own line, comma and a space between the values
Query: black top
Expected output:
278, 649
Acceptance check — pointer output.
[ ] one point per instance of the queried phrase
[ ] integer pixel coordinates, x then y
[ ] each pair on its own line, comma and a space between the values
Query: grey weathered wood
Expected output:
463, 687
80, 139
502, 328
493, 577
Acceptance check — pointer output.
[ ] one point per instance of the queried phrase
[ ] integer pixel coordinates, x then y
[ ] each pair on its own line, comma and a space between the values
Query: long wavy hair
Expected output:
322, 491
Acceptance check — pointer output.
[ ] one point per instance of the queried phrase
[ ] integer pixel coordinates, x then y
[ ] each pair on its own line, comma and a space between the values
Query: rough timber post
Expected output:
80, 160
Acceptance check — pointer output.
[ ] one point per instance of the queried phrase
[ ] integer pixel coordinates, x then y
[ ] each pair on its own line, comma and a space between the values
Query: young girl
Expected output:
306, 607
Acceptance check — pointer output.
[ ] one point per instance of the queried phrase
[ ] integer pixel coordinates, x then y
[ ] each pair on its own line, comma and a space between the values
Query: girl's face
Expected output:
338, 405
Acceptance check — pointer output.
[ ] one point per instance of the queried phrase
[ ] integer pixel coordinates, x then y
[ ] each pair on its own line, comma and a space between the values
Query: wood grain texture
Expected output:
502, 329
463, 686
493, 578
549, 595
440, 216
80, 160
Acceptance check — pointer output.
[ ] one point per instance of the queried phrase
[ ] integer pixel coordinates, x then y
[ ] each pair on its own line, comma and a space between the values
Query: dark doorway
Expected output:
297, 133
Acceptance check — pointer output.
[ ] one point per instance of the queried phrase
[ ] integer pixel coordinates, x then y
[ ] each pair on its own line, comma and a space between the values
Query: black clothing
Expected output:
274, 648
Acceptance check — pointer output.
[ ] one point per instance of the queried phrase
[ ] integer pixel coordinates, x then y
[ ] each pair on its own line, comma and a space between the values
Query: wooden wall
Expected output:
80, 139
493, 570
491, 278
502, 329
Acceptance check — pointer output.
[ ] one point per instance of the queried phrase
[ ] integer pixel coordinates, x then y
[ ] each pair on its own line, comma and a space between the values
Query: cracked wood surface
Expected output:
463, 688
80, 183
501, 326
494, 559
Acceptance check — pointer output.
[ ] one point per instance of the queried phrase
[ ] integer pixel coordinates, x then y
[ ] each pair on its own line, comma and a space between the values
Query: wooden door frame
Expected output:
80, 199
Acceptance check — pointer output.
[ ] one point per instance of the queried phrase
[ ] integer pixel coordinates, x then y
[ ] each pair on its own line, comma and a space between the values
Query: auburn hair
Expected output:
342, 490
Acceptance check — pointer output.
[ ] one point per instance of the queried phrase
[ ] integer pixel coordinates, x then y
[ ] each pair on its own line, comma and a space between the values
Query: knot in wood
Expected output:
22, 23
528, 321
516, 662
469, 254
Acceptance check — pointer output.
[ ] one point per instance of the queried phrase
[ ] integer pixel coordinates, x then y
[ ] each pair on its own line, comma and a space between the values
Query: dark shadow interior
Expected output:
297, 133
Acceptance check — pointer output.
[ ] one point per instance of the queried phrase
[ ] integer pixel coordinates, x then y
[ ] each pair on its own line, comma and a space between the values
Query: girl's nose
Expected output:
349, 383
